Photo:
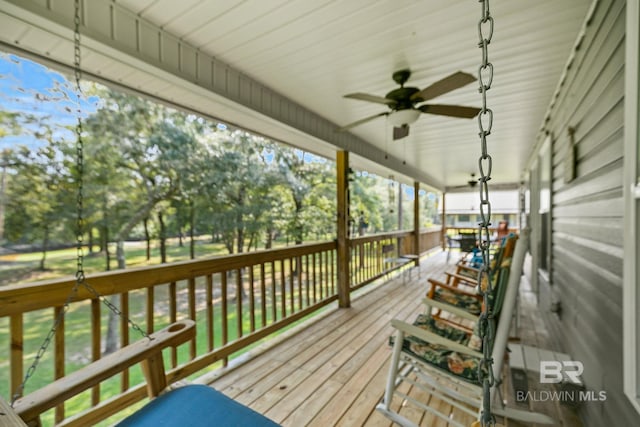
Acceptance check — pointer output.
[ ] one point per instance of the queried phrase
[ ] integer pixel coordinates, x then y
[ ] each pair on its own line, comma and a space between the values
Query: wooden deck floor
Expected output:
332, 373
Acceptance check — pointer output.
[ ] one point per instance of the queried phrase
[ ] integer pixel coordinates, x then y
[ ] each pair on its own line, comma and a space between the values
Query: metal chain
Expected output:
80, 275
485, 123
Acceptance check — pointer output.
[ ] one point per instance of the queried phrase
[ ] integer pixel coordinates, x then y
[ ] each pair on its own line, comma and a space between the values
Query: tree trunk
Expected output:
122, 261
239, 240
147, 237
123, 233
111, 340
105, 246
90, 241
163, 239
251, 239
192, 220
269, 243
45, 248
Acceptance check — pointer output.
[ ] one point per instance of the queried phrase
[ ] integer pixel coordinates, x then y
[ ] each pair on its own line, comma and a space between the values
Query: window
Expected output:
544, 208
631, 183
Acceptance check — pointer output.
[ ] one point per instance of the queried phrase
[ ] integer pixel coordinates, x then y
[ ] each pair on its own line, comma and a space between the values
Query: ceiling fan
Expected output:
473, 181
403, 102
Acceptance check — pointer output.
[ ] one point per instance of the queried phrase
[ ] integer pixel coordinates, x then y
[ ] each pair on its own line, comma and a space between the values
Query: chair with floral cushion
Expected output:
429, 351
461, 289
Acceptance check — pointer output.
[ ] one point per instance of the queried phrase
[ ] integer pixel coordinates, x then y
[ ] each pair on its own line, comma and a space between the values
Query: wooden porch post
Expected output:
416, 222
443, 230
342, 164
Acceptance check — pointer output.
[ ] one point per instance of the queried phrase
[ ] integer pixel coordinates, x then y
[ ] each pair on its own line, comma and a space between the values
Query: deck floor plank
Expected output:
361, 348
333, 372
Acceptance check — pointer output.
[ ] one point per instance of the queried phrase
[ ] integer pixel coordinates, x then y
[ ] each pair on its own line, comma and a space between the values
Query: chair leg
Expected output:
394, 368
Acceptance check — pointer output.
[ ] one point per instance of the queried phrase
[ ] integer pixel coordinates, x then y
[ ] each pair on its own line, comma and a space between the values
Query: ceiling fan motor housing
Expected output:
402, 97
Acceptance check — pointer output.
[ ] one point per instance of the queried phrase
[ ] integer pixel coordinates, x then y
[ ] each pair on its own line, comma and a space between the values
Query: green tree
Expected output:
236, 185
307, 179
150, 147
40, 197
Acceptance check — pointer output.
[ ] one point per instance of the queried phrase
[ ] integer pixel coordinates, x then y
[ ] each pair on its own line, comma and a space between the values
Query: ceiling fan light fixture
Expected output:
403, 117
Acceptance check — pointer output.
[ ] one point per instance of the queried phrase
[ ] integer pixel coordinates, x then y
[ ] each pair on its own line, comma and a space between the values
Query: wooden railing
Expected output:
367, 258
236, 300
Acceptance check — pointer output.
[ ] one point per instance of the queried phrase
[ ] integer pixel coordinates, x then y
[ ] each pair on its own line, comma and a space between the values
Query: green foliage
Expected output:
144, 161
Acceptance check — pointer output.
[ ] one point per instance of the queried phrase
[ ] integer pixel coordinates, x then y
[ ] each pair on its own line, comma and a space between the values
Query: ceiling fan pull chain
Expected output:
485, 123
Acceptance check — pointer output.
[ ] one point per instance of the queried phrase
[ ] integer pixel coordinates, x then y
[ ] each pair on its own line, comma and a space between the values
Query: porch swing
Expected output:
192, 405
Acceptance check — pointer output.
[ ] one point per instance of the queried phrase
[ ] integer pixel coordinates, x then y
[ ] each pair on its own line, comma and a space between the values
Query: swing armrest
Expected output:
148, 352
8, 418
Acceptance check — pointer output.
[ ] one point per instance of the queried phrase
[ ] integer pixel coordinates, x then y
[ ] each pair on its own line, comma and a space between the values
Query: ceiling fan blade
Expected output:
450, 110
370, 98
400, 132
361, 121
454, 81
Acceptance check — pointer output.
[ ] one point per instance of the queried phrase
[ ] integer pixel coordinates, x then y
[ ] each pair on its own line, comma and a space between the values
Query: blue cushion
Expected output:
195, 406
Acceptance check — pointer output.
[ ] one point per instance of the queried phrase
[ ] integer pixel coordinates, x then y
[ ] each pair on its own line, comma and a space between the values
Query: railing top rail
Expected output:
15, 299
381, 236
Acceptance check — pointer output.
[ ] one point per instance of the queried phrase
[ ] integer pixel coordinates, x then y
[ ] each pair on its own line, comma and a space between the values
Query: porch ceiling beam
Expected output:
110, 30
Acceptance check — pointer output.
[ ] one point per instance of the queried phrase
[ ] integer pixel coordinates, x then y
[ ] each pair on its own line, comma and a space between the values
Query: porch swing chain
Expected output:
80, 275
485, 122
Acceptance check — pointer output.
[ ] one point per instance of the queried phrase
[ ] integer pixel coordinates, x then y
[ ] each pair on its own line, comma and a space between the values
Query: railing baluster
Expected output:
124, 337
95, 345
333, 273
274, 297
191, 284
238, 303
173, 317
298, 274
313, 277
321, 260
283, 291
263, 295
210, 330
371, 261
224, 312
355, 264
252, 301
17, 351
307, 271
59, 358
149, 308
291, 286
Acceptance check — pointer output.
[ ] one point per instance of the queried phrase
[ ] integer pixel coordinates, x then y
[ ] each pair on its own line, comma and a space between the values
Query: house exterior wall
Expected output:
585, 274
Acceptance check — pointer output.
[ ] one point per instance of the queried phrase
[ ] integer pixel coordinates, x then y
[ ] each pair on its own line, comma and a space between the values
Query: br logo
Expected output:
553, 371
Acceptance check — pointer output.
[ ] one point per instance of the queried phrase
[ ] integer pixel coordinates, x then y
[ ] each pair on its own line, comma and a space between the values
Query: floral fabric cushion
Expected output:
461, 365
466, 302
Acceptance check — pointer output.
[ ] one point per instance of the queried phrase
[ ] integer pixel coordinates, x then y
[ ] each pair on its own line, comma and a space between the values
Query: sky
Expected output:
47, 96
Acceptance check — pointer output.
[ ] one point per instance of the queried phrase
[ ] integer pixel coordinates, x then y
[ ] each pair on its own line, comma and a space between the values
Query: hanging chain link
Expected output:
80, 275
485, 123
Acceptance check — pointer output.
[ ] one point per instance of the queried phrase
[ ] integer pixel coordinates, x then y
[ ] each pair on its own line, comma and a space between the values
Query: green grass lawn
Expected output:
62, 262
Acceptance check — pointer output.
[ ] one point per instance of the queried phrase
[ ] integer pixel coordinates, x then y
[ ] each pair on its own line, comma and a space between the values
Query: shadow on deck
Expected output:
332, 372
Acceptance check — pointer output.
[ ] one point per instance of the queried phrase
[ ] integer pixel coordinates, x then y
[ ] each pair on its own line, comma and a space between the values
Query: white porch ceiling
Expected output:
314, 51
